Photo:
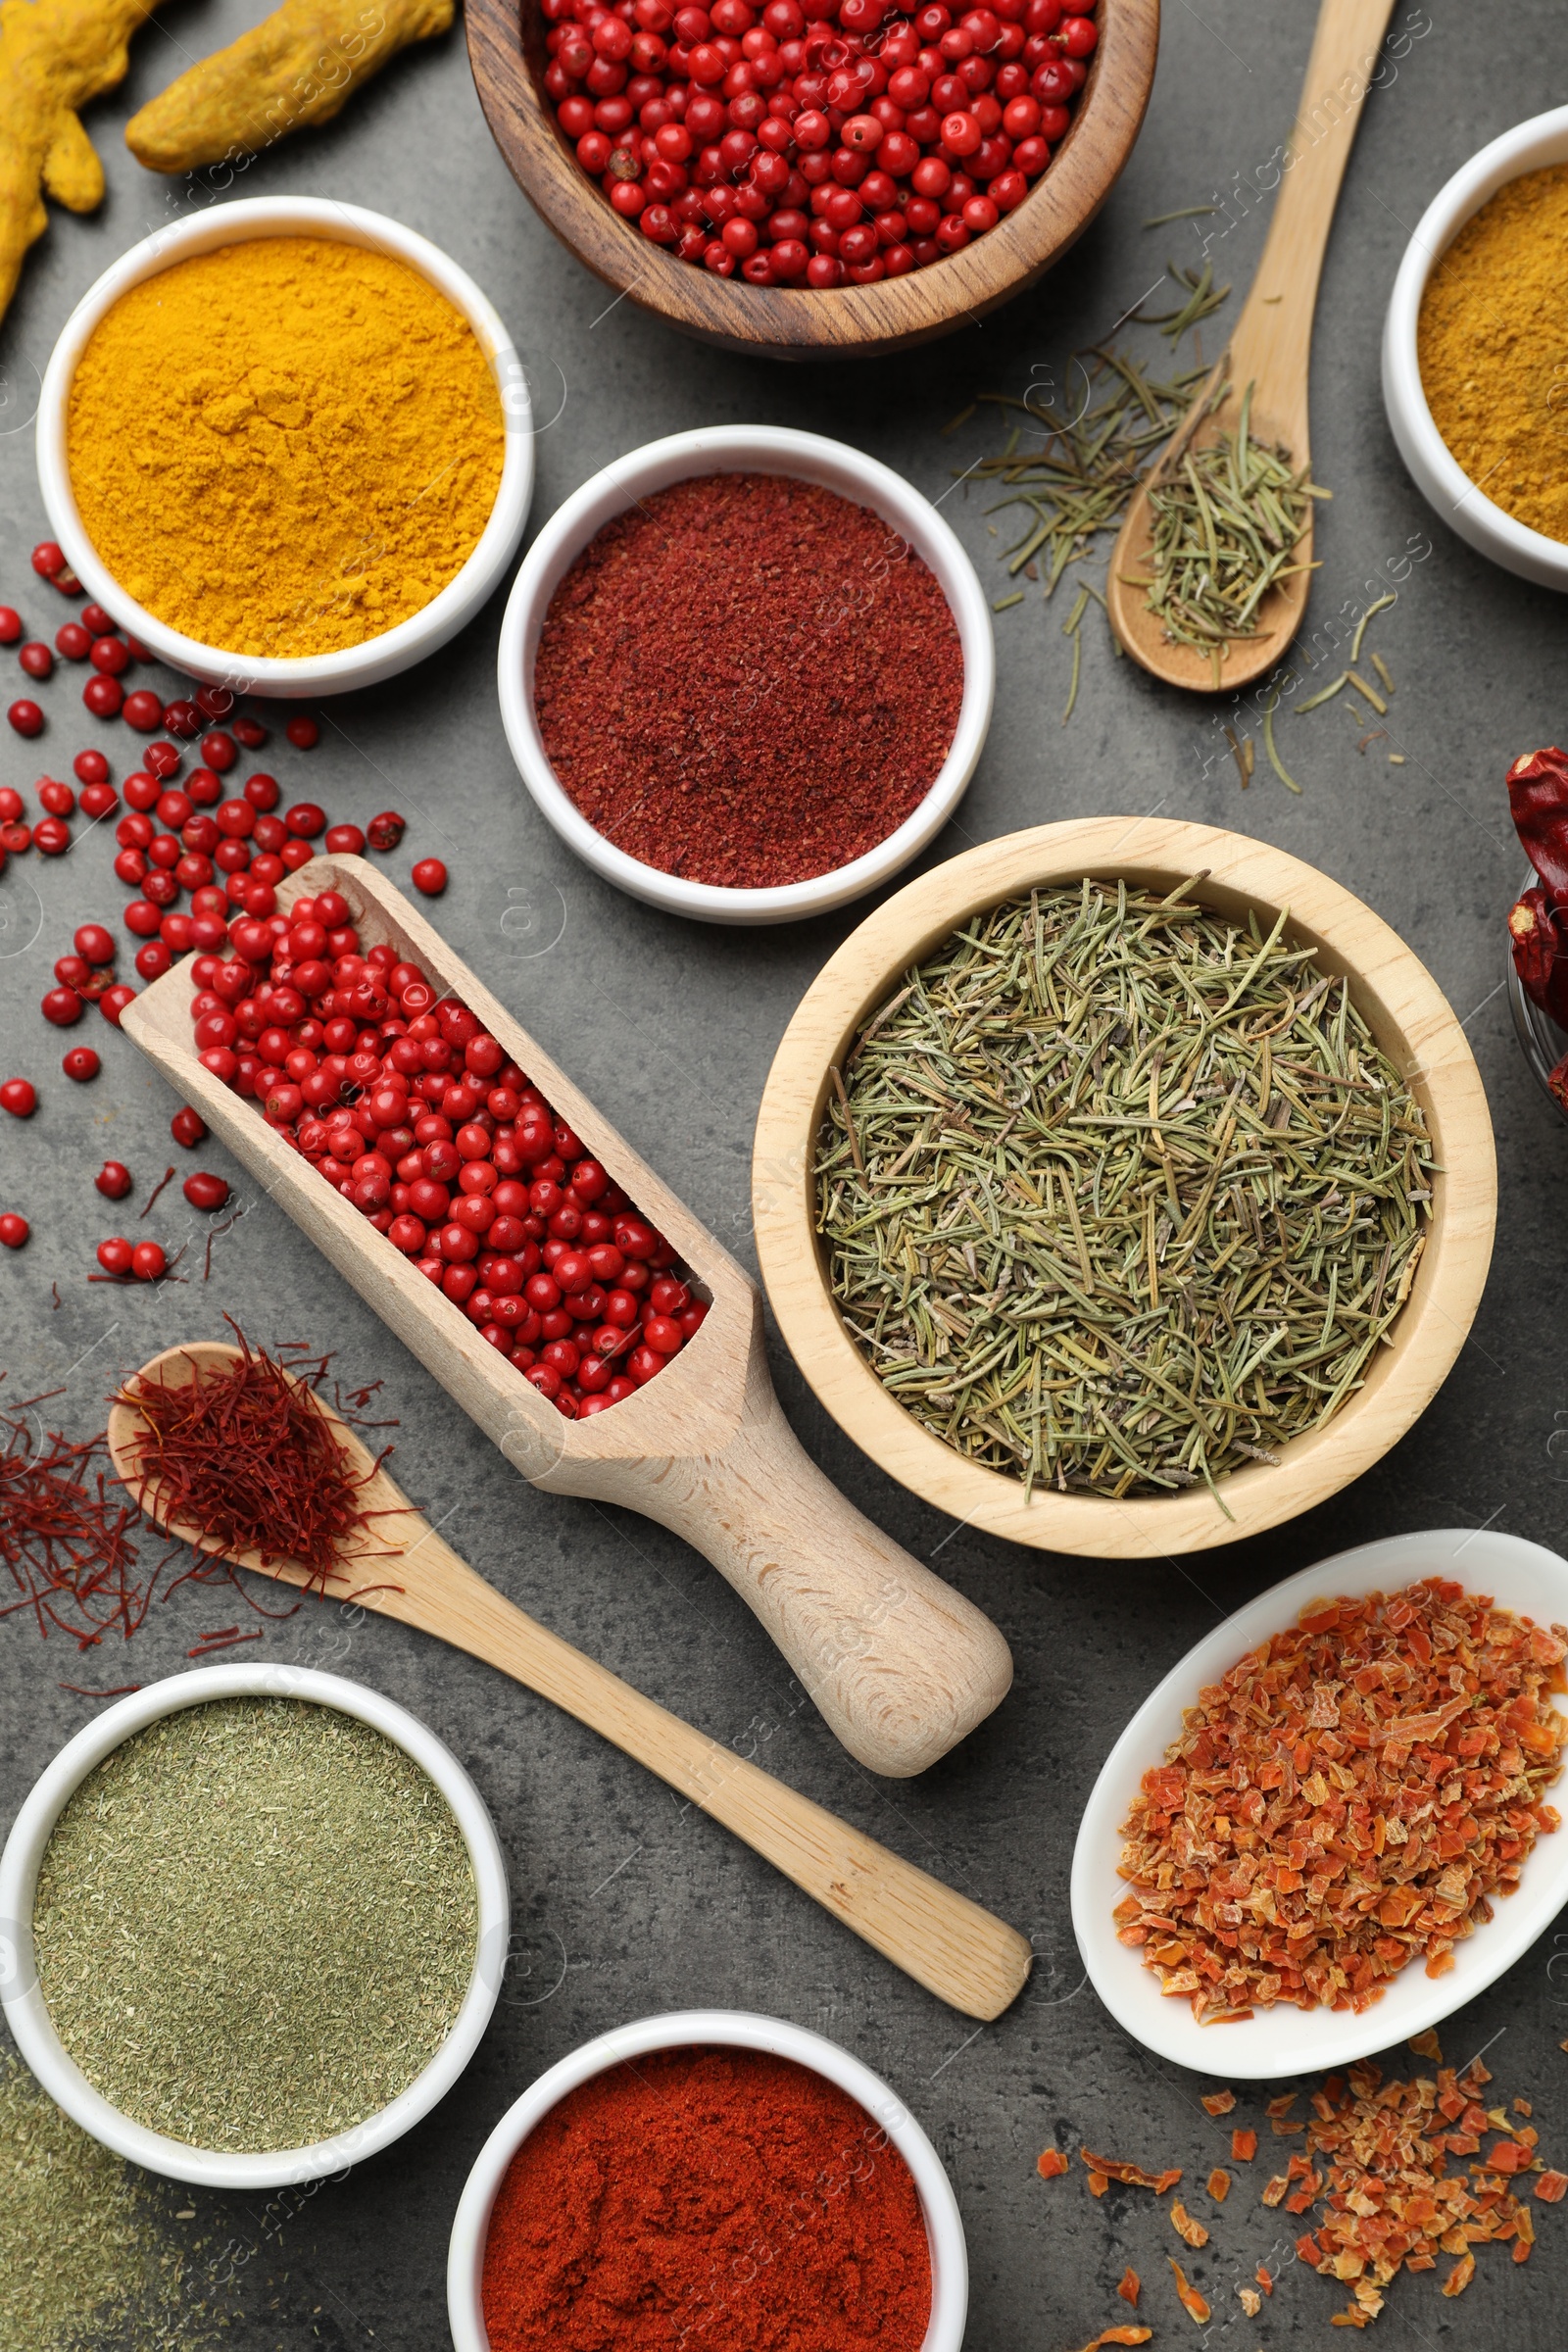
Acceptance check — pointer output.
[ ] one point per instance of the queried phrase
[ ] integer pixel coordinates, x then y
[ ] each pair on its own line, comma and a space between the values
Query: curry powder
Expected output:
1491, 347
286, 446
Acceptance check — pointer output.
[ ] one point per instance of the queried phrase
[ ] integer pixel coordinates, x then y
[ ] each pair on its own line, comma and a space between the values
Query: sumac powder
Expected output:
748, 680
720, 2200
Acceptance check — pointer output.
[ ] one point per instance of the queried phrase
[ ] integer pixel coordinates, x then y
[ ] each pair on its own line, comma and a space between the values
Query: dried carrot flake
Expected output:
1353, 2316
1265, 2278
1275, 2188
1098, 2182
1052, 2164
1460, 2276
1251, 2301
1130, 2284
1244, 2146
1132, 2174
1192, 2302
1219, 2186
1550, 2188
1181, 2222
1427, 2046
1344, 1800
1120, 2336
1219, 2102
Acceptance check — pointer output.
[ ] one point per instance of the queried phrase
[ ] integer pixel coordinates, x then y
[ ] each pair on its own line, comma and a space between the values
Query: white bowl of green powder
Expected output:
252, 1925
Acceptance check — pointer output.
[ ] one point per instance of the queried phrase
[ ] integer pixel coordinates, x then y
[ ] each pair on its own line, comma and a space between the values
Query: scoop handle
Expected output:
900, 1666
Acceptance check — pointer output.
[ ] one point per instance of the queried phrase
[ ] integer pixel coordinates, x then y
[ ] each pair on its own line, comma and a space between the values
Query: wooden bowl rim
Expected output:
844, 320
1405, 1006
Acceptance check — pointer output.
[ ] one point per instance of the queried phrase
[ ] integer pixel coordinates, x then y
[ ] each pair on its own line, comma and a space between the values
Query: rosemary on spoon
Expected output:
1119, 1193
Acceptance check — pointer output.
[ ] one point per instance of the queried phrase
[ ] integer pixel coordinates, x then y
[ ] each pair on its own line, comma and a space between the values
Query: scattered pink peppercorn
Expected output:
303, 734
25, 717
204, 1190
248, 731
149, 1261
14, 1230
386, 831
182, 719
63, 1007
109, 654
187, 1127
114, 1255
114, 1180
111, 1004
343, 841
81, 1063
103, 697
99, 799
73, 643
95, 942
305, 820
143, 711
52, 835
20, 1096
36, 660
57, 798
9, 624
429, 875
12, 804
163, 759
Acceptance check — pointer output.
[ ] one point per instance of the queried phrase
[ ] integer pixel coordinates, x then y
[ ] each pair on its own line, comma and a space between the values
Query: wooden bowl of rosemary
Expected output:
1124, 1187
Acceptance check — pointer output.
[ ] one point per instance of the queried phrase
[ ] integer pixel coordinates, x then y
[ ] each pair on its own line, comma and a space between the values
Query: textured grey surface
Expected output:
624, 1904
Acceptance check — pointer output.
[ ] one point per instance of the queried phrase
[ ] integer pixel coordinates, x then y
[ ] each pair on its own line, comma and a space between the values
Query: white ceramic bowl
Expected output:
28, 2017
1438, 475
744, 448
1287, 2041
395, 648
730, 2028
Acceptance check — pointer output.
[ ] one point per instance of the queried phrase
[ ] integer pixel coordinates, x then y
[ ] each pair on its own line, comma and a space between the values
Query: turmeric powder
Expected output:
285, 446
1489, 344
54, 56
294, 68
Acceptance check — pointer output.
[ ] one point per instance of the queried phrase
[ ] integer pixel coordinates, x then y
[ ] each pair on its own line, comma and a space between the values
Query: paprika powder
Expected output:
717, 2200
748, 680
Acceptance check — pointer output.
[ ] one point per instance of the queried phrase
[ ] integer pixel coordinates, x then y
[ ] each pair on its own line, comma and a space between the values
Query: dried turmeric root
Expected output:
296, 67
55, 55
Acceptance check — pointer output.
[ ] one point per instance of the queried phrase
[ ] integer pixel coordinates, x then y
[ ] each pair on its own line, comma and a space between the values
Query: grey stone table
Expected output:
624, 1903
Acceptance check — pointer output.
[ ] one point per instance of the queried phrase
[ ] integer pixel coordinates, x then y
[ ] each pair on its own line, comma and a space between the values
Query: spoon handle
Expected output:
1273, 337
962, 1953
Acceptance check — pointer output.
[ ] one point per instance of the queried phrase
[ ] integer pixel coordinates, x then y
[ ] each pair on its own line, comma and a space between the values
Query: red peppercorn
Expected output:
73, 643
20, 1096
187, 1127
204, 1190
95, 942
163, 759
36, 660
63, 1007
51, 836
109, 654
248, 731
183, 719
81, 1063
115, 1256
429, 875
25, 717
14, 1230
303, 734
148, 1261
103, 697
57, 798
114, 1180
304, 819
343, 841
153, 960
111, 1004
143, 711
9, 624
386, 831
49, 558
12, 804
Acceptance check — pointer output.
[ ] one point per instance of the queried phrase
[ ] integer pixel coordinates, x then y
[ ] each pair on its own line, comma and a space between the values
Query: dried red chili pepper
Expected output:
1538, 801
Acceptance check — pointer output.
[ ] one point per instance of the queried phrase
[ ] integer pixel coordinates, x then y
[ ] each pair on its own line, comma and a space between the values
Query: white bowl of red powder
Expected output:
707, 2178
747, 673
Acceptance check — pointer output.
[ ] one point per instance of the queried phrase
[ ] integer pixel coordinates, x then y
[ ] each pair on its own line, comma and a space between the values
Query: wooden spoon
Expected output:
967, 1958
1270, 347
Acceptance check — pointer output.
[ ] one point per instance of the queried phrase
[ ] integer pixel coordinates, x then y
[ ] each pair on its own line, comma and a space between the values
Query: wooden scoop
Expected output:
947, 1943
1270, 348
900, 1665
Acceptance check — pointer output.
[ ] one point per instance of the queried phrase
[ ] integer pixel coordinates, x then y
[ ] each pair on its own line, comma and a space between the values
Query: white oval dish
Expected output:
1285, 2040
28, 2017
744, 448
731, 2029
423, 632
1435, 470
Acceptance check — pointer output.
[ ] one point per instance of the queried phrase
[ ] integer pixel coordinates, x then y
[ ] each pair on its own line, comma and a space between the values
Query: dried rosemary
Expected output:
1118, 1194
1227, 520
254, 1924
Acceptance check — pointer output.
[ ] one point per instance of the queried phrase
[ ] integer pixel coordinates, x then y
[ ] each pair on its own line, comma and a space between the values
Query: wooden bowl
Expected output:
851, 321
1406, 1012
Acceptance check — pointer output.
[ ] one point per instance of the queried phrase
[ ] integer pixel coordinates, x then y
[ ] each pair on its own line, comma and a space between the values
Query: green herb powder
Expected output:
85, 2253
255, 1922
1120, 1194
